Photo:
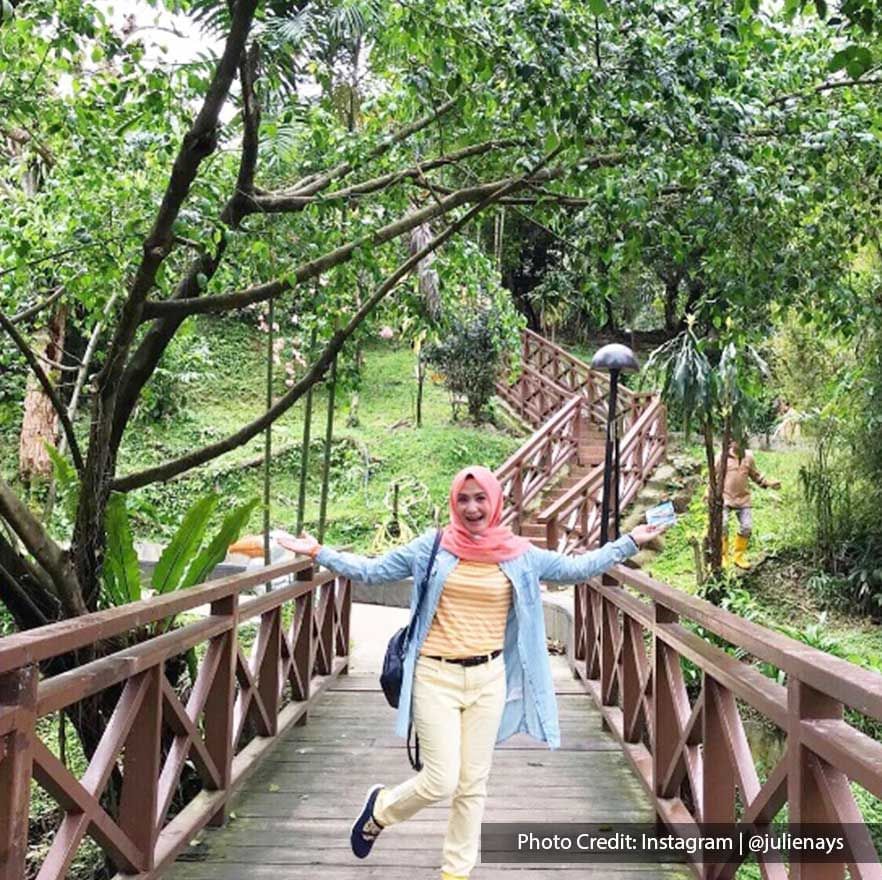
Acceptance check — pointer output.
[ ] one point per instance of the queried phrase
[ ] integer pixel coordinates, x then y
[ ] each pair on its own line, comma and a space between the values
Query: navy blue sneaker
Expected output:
366, 829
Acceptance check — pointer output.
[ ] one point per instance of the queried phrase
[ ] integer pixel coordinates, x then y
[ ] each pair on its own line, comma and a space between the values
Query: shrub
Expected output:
469, 356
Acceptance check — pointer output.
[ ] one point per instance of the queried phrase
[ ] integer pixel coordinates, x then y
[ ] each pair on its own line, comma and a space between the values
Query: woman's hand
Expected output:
305, 544
643, 534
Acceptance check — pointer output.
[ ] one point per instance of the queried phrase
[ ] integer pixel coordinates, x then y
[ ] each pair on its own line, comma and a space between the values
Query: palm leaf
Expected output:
184, 545
122, 577
216, 550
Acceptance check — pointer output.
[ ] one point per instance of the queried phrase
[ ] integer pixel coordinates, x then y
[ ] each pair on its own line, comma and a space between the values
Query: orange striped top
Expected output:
472, 612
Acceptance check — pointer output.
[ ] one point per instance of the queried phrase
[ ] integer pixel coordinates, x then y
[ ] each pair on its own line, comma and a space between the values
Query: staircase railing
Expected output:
534, 397
573, 521
527, 472
550, 380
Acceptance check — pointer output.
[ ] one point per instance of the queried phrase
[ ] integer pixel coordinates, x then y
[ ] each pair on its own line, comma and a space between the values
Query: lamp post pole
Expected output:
614, 358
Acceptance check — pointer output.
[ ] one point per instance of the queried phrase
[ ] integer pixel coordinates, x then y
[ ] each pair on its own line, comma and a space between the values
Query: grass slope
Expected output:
367, 459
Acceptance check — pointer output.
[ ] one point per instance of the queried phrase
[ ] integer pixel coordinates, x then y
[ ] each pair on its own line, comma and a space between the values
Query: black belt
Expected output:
469, 661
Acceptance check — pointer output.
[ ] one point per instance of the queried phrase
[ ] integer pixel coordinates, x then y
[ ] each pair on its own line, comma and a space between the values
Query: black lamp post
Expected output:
614, 358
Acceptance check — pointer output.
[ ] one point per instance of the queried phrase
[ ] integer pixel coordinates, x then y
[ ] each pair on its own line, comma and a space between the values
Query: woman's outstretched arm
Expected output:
562, 569
395, 565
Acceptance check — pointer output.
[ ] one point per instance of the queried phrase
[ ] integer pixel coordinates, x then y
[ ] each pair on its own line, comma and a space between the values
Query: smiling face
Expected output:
473, 506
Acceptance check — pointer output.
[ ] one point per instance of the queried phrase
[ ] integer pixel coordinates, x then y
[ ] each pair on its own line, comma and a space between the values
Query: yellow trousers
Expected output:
456, 712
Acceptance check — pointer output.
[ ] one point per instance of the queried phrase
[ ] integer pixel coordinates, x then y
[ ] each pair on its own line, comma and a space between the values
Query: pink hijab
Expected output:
497, 543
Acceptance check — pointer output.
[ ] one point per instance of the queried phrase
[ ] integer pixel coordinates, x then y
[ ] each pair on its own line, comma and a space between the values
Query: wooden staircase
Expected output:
553, 483
589, 460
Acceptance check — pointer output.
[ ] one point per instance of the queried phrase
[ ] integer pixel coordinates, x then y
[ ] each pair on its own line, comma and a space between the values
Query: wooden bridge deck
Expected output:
291, 819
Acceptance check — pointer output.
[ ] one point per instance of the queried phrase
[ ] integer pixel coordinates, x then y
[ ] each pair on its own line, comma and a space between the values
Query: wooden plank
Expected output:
291, 819
233, 871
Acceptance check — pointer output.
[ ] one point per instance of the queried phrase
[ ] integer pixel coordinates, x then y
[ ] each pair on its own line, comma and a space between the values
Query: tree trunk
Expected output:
717, 481
39, 424
672, 296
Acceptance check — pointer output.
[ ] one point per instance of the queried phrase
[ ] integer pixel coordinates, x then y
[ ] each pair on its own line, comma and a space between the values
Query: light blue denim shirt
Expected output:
530, 704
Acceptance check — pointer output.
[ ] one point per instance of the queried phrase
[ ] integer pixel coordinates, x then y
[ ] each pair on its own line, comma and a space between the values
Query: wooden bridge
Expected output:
283, 729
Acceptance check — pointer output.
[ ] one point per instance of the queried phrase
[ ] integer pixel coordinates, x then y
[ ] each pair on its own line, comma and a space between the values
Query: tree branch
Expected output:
173, 468
145, 358
198, 143
315, 268
27, 314
284, 202
243, 196
48, 554
46, 385
313, 183
824, 87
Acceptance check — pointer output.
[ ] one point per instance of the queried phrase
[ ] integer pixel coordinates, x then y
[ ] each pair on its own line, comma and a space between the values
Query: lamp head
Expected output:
615, 357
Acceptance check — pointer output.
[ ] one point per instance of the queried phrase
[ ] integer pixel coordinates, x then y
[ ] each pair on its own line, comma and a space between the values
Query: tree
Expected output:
711, 384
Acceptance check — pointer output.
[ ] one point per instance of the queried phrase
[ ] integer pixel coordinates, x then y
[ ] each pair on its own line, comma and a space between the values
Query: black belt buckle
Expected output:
477, 661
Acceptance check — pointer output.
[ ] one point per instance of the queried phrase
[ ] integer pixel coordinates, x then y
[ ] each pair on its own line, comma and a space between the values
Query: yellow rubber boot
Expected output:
725, 555
740, 555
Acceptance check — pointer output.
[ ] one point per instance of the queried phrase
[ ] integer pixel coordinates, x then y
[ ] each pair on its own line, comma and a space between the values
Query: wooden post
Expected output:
718, 797
517, 497
342, 625
221, 699
608, 632
18, 689
270, 644
325, 658
632, 644
804, 801
141, 765
580, 597
302, 644
664, 718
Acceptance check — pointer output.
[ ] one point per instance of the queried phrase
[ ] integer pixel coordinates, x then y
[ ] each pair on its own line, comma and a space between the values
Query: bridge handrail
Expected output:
55, 639
231, 698
691, 756
848, 683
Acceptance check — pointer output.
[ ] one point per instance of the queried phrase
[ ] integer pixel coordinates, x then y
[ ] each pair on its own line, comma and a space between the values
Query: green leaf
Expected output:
216, 550
122, 576
67, 481
184, 545
841, 58
598, 7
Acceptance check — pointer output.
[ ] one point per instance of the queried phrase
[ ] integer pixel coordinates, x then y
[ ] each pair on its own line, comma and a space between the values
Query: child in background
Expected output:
740, 470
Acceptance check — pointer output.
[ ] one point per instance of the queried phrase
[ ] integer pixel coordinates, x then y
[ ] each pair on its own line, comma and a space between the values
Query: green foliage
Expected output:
469, 356
66, 481
214, 552
410, 507
121, 575
180, 551
184, 366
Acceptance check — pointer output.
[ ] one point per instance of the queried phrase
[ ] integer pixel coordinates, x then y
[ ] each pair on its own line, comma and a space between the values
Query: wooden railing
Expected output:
573, 521
153, 730
693, 756
529, 471
534, 397
566, 371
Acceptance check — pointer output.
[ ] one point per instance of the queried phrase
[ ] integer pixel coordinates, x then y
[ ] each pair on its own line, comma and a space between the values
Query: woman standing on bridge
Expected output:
477, 669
